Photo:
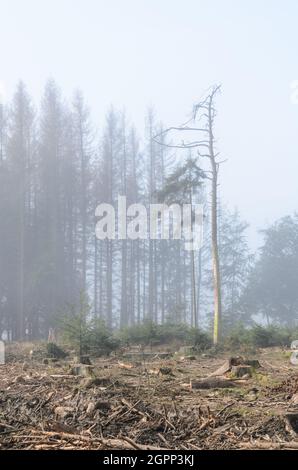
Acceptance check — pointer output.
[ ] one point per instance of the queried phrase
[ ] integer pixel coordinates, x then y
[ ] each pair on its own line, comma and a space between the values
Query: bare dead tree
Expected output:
204, 113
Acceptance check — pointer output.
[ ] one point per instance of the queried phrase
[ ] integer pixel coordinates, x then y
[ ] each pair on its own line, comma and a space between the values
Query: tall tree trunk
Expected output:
124, 273
95, 294
21, 254
214, 227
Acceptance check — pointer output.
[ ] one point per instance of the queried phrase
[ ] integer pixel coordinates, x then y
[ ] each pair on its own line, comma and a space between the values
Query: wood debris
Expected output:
44, 407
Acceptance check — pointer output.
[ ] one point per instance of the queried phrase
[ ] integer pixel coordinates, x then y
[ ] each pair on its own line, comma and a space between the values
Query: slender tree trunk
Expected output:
138, 283
199, 284
193, 289
214, 223
124, 273
163, 261
215, 260
193, 277
95, 295
123, 313
22, 257
215, 251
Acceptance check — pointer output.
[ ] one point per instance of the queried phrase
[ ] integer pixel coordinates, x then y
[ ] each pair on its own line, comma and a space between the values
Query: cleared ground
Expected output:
142, 401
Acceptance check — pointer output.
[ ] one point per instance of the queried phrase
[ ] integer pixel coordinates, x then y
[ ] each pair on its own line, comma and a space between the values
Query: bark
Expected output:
214, 227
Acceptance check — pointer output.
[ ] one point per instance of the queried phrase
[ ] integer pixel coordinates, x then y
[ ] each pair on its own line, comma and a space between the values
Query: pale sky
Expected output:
165, 53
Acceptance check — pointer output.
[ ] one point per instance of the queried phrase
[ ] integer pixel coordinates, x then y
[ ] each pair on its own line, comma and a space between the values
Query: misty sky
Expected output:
166, 53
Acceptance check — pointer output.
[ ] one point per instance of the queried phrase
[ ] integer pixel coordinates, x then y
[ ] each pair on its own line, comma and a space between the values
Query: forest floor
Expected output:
142, 402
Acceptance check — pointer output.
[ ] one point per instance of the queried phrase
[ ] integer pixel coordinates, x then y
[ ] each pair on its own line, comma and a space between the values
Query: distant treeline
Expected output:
55, 169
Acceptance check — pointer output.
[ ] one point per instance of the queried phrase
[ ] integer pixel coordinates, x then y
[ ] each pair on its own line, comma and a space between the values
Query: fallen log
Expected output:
211, 382
61, 376
124, 365
122, 442
261, 445
141, 446
146, 355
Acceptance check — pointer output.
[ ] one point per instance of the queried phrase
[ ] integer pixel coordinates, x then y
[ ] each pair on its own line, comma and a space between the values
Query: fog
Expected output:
136, 54
141, 67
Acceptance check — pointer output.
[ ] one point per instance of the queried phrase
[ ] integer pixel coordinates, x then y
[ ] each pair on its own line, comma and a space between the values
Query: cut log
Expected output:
211, 382
124, 365
147, 355
269, 445
151, 372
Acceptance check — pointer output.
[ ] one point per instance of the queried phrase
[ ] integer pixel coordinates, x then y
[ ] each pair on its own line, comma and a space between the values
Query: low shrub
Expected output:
259, 336
149, 333
265, 337
200, 340
144, 334
87, 335
99, 339
54, 351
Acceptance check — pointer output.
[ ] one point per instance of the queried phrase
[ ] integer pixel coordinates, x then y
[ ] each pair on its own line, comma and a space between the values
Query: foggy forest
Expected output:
55, 169
148, 342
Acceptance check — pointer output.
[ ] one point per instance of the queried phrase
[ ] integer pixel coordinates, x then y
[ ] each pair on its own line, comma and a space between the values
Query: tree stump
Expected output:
83, 359
227, 365
241, 371
254, 363
82, 370
234, 362
186, 350
292, 423
294, 358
